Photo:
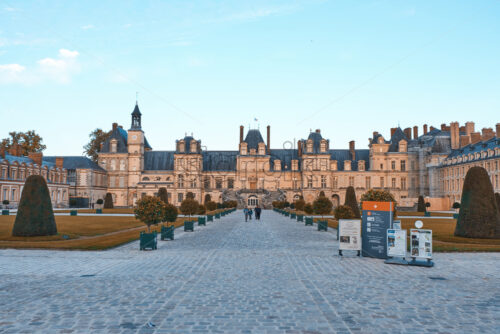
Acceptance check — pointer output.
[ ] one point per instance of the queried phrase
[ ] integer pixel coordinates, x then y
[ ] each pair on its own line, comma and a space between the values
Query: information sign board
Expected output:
396, 243
421, 243
377, 219
350, 234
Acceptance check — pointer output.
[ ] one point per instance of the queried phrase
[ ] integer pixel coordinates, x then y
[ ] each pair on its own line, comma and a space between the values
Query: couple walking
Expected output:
249, 212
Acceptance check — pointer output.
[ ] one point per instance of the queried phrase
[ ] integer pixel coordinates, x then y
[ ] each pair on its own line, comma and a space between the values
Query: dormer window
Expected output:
114, 145
262, 149
323, 146
182, 147
194, 146
309, 146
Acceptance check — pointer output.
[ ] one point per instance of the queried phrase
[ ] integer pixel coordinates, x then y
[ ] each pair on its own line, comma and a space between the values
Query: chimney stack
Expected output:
115, 126
318, 131
299, 146
15, 150
432, 128
487, 133
407, 132
375, 134
455, 135
443, 127
36, 157
2, 152
475, 137
464, 141
59, 162
352, 149
498, 130
415, 132
241, 134
425, 129
393, 131
469, 128
268, 139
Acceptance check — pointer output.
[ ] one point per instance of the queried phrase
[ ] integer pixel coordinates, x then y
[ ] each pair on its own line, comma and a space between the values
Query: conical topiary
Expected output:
350, 200
421, 204
108, 201
35, 216
497, 197
478, 216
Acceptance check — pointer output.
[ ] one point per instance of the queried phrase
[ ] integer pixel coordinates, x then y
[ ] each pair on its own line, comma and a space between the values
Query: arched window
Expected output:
253, 201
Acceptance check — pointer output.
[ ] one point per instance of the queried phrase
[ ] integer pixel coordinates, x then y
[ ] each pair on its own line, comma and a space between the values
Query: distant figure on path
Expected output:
247, 213
258, 210
250, 213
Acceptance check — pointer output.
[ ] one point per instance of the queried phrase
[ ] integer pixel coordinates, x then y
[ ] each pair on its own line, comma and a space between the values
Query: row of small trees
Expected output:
323, 205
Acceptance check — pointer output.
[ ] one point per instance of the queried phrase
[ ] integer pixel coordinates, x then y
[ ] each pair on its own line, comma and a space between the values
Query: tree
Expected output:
456, 205
421, 204
163, 195
211, 205
478, 216
35, 216
427, 205
189, 206
5, 202
308, 208
350, 200
497, 197
287, 204
189, 195
201, 209
28, 142
170, 214
108, 201
99, 201
378, 196
299, 204
344, 212
322, 206
93, 147
208, 198
150, 210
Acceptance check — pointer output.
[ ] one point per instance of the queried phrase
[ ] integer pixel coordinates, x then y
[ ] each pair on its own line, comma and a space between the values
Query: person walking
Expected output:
247, 213
250, 213
258, 210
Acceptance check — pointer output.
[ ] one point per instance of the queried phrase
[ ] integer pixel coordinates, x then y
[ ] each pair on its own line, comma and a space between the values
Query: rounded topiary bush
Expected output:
99, 201
211, 205
478, 216
189, 206
108, 201
344, 212
322, 206
201, 209
456, 205
299, 204
163, 195
35, 216
150, 210
308, 208
350, 200
170, 213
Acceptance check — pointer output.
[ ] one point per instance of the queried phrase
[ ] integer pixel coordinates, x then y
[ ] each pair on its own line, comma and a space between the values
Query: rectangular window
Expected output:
230, 183
393, 182
180, 197
403, 165
382, 182
193, 183
323, 181
403, 183
218, 183
335, 184
393, 165
206, 182
143, 195
351, 181
13, 195
122, 181
180, 181
368, 182
309, 182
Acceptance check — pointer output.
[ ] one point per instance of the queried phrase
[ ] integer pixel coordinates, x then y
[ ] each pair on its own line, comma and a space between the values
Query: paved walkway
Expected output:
275, 276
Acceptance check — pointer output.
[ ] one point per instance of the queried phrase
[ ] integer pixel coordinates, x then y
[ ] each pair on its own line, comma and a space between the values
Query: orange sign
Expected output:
377, 206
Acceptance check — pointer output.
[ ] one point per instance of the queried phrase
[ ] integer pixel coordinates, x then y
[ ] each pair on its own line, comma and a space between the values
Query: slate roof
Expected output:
482, 146
187, 145
253, 139
396, 138
12, 158
159, 160
286, 156
219, 160
121, 138
75, 162
316, 138
342, 155
438, 141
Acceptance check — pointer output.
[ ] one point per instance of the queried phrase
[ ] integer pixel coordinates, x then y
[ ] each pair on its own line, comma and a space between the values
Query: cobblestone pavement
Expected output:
275, 276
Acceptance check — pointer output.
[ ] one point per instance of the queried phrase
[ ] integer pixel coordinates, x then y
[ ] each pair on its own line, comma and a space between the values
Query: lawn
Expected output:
83, 233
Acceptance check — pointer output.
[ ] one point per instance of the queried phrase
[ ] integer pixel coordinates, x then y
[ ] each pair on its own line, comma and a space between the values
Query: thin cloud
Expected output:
60, 70
87, 27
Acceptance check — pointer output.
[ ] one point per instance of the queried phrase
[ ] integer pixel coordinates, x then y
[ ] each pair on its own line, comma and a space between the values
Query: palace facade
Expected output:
405, 163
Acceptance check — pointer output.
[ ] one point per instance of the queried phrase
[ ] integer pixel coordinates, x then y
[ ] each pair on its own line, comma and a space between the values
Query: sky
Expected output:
206, 67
